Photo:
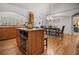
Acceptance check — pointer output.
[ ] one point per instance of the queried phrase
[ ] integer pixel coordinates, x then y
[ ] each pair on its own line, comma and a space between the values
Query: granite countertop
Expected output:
34, 29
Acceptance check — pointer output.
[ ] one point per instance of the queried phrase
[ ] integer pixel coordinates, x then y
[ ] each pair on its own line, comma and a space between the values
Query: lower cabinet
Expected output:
7, 33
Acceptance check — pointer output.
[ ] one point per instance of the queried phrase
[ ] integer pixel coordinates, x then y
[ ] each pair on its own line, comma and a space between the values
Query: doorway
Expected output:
75, 23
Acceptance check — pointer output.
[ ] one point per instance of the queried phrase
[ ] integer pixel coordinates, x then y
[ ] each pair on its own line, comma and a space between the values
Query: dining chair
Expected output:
61, 32
48, 31
41, 26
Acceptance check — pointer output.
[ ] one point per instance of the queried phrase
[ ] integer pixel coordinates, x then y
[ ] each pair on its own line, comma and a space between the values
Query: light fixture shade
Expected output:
49, 18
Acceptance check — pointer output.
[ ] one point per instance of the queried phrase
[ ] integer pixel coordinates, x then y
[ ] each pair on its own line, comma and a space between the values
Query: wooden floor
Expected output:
56, 46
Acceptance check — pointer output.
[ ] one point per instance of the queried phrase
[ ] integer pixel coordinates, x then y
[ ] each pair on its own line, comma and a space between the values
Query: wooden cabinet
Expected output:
7, 33
34, 43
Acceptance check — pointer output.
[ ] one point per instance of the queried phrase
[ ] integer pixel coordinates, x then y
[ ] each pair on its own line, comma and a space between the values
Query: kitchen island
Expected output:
30, 41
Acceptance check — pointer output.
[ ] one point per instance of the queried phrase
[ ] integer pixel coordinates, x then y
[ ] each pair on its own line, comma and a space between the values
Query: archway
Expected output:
75, 23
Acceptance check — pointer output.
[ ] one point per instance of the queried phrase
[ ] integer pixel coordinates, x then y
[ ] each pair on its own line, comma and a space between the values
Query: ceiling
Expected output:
28, 5
54, 8
41, 8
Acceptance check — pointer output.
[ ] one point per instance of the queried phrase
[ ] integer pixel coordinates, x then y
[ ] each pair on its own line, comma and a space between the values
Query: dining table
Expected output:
52, 30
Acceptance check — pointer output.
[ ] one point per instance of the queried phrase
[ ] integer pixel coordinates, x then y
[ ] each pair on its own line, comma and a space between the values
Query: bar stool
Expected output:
46, 42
